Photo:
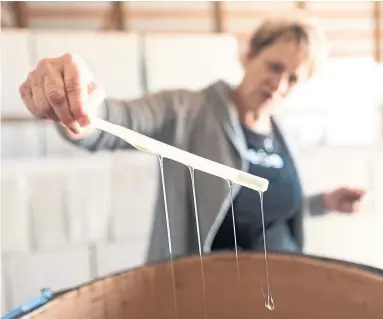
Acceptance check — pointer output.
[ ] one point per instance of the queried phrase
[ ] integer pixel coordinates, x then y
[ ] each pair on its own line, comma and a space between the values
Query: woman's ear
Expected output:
244, 57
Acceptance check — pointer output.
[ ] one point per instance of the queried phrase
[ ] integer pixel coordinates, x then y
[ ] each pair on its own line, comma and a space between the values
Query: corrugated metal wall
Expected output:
350, 25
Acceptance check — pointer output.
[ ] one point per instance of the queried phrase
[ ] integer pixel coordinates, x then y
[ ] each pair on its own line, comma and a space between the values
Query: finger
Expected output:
349, 194
345, 207
353, 196
96, 95
350, 206
38, 94
355, 207
361, 192
76, 79
26, 95
56, 96
51, 115
356, 191
91, 102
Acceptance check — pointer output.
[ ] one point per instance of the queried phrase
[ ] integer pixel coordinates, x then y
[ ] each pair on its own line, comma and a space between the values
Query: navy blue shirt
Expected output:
268, 157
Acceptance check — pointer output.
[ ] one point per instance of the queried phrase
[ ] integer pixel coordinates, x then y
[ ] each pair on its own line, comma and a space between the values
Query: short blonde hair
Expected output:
296, 25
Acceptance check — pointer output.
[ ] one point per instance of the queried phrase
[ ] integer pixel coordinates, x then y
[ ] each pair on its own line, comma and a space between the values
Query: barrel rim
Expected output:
314, 260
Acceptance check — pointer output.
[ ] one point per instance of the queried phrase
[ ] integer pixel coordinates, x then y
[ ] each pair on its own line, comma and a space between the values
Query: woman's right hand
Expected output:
62, 89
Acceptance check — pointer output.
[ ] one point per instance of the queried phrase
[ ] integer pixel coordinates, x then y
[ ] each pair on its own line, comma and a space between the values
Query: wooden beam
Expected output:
6, 12
377, 30
301, 4
18, 119
108, 23
21, 13
217, 16
119, 15
116, 17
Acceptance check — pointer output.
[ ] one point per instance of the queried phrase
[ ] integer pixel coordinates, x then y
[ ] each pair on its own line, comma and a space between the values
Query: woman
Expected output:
230, 125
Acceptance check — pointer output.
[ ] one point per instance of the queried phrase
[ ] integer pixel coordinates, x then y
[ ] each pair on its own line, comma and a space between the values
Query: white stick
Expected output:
151, 145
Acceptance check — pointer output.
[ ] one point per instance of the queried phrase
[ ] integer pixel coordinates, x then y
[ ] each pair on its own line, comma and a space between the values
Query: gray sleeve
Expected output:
315, 205
153, 115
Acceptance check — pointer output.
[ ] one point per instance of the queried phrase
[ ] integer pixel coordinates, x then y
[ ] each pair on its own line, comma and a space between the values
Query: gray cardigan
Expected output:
201, 122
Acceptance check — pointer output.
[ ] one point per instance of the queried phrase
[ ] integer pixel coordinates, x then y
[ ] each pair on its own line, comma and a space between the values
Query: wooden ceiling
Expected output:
354, 28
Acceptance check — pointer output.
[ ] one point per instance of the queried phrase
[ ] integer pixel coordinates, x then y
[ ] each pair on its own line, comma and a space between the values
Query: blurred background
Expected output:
68, 216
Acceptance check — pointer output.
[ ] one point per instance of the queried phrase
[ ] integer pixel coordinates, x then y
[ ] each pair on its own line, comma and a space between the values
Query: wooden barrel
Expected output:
302, 288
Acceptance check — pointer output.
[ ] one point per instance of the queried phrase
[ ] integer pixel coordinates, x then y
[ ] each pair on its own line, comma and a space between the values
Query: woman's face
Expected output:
272, 74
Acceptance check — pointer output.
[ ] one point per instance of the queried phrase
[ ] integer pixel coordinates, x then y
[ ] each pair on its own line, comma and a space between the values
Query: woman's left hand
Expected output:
344, 199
